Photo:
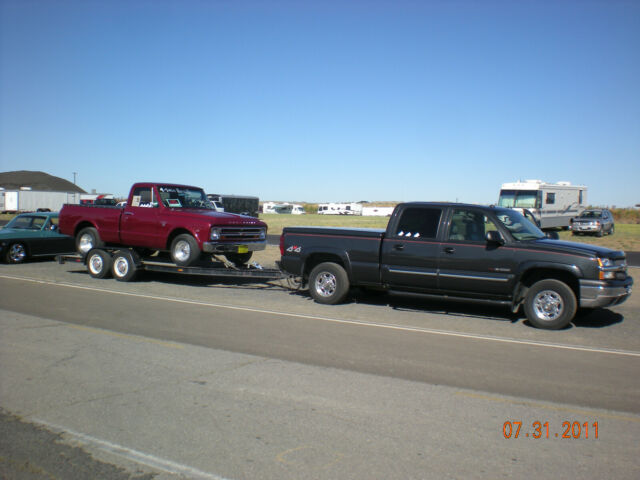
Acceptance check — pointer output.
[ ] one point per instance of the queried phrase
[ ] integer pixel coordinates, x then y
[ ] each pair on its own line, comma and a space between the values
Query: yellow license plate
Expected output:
243, 249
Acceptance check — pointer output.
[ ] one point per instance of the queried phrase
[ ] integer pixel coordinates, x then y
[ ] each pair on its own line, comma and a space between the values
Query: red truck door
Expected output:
139, 225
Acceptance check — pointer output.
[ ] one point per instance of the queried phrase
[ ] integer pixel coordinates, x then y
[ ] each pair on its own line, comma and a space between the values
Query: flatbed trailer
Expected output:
125, 263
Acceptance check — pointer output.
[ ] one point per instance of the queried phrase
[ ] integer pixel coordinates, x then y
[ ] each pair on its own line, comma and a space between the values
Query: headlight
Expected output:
605, 262
606, 265
215, 234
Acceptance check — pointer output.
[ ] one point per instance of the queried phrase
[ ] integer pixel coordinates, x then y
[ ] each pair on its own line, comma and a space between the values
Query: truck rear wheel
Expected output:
124, 266
87, 239
550, 304
99, 263
328, 283
184, 250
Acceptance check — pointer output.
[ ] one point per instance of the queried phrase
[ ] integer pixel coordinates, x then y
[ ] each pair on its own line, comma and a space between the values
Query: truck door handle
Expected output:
128, 213
449, 250
398, 246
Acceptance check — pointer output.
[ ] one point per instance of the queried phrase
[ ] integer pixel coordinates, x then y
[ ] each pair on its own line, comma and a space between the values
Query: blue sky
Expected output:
326, 100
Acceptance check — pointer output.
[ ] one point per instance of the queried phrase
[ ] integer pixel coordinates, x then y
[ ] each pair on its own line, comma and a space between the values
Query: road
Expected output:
202, 379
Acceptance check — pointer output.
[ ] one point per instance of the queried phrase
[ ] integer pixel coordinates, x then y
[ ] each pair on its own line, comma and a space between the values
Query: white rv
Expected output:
273, 207
340, 209
552, 204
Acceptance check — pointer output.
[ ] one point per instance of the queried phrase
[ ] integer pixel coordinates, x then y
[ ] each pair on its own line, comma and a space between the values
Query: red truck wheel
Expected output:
328, 283
87, 239
184, 250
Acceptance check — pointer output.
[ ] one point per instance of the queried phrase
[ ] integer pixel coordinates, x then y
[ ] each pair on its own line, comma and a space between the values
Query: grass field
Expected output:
627, 236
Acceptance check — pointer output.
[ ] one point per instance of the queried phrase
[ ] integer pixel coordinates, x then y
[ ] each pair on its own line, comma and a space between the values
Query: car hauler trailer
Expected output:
124, 264
552, 204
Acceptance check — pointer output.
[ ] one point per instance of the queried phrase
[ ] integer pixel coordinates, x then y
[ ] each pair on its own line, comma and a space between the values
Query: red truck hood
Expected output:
222, 218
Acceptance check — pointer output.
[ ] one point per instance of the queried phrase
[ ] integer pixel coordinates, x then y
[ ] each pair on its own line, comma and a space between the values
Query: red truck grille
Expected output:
241, 234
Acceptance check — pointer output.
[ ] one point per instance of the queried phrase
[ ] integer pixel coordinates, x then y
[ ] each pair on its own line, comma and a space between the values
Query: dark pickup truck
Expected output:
460, 252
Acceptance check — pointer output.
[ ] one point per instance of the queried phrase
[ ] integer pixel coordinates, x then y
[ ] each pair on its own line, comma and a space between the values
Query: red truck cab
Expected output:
166, 217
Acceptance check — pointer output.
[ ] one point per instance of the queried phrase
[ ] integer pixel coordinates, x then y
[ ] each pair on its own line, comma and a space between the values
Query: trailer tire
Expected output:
87, 239
328, 283
239, 259
99, 263
550, 304
124, 266
184, 250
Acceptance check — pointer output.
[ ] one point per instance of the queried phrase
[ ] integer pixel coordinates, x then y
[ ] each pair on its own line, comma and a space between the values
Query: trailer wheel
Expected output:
550, 304
124, 266
328, 283
99, 263
87, 239
184, 250
239, 259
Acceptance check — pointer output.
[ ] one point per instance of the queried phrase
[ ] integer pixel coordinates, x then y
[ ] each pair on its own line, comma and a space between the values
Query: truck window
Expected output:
419, 223
143, 197
469, 225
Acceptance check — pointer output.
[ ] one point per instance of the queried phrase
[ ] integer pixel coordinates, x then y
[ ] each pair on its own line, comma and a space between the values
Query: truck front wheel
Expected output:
550, 304
328, 283
184, 250
87, 239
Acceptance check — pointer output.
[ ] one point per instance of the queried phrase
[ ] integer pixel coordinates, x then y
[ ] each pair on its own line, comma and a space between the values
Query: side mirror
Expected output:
493, 236
53, 228
553, 235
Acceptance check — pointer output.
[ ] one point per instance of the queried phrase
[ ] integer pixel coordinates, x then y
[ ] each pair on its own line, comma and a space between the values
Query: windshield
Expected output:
184, 197
518, 198
521, 228
27, 223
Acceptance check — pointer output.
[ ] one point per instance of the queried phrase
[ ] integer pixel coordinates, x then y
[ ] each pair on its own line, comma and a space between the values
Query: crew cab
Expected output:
460, 252
165, 217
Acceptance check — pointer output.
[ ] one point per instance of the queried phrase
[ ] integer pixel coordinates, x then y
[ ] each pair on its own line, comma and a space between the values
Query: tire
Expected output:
550, 304
124, 267
16, 253
328, 283
99, 263
600, 232
239, 259
184, 250
88, 239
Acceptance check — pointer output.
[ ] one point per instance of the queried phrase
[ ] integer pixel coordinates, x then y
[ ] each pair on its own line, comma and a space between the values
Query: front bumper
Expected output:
594, 293
211, 247
586, 228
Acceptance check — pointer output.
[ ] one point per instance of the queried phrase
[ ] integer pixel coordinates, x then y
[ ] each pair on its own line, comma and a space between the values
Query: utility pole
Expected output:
74, 177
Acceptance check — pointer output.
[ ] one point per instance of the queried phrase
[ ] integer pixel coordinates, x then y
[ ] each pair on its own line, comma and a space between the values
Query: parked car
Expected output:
33, 235
596, 221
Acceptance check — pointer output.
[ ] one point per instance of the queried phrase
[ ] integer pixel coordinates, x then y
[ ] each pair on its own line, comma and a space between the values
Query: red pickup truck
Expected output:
166, 217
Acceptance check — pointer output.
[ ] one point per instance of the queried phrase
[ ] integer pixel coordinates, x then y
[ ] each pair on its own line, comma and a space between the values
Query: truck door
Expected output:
409, 256
469, 265
139, 226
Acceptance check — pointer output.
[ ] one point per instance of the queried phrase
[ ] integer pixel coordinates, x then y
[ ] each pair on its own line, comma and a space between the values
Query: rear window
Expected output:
419, 223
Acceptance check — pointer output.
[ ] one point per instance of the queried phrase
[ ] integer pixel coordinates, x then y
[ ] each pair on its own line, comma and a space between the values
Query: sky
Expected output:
322, 101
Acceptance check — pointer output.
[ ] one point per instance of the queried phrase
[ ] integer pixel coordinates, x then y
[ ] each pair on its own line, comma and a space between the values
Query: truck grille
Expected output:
241, 234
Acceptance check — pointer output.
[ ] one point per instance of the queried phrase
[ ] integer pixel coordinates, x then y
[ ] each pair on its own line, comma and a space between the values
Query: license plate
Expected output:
243, 249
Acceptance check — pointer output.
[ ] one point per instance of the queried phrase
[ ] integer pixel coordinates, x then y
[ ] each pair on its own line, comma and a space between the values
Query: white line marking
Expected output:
130, 454
390, 326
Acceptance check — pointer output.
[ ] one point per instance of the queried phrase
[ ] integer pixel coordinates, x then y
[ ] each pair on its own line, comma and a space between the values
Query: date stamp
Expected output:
569, 430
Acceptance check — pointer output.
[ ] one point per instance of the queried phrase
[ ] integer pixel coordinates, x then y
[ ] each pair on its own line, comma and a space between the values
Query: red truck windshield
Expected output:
183, 197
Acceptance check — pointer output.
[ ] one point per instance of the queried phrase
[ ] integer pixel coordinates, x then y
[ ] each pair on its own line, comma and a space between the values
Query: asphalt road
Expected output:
205, 379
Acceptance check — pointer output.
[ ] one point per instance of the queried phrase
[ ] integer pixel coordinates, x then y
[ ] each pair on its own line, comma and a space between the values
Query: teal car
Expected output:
33, 235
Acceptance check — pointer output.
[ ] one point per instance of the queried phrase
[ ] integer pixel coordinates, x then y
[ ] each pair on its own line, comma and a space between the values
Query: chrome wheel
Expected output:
325, 284
548, 305
17, 253
85, 243
182, 251
96, 264
120, 267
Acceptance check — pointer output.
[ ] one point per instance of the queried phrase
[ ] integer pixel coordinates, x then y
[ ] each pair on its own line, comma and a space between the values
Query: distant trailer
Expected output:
15, 201
340, 209
552, 204
377, 211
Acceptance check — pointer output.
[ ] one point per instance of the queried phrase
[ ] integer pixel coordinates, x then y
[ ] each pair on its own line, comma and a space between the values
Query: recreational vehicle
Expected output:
273, 207
552, 204
340, 209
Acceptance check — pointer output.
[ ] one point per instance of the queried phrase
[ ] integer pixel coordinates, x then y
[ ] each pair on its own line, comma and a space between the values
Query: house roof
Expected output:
38, 181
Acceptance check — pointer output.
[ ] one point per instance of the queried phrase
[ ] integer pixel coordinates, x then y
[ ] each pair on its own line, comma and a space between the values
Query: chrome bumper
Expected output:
211, 247
595, 294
